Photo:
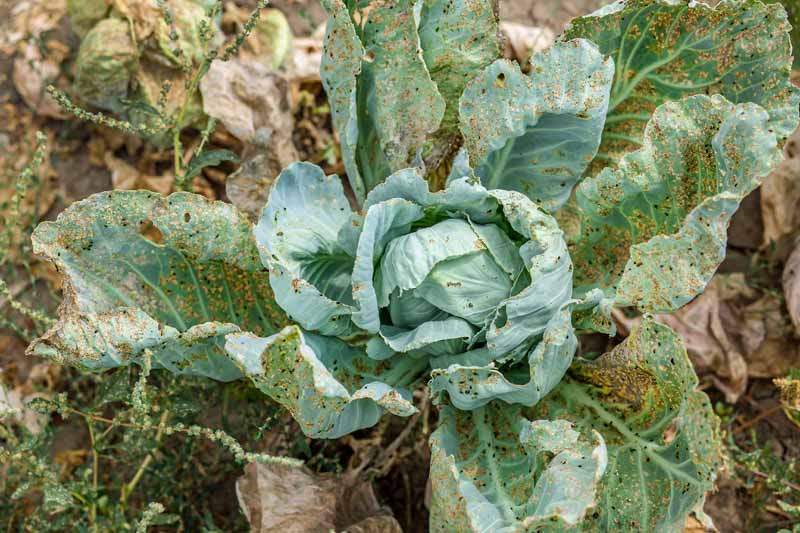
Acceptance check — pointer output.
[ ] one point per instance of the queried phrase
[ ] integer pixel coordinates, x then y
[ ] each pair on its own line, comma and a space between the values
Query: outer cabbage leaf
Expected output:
537, 133
492, 470
298, 236
663, 438
397, 104
330, 388
170, 276
339, 69
665, 50
458, 39
654, 229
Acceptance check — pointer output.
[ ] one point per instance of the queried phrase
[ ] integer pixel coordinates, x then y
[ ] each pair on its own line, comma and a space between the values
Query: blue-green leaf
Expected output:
663, 438
665, 50
299, 237
653, 230
397, 105
147, 274
470, 387
536, 134
492, 470
329, 388
458, 39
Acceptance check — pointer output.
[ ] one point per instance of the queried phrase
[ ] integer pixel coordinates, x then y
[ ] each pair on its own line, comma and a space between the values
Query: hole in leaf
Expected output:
500, 81
187, 217
150, 232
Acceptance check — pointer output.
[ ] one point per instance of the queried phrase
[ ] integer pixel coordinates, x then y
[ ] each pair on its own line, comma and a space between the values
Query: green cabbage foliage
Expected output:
394, 79
664, 50
500, 212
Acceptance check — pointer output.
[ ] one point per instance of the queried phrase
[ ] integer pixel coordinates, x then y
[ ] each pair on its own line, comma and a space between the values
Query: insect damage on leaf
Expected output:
168, 275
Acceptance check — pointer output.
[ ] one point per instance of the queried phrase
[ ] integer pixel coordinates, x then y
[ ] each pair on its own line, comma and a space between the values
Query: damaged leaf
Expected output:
536, 133
653, 230
662, 436
665, 50
151, 276
330, 388
493, 470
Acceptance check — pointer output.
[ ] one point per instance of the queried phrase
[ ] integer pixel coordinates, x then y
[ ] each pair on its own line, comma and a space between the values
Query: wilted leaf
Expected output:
537, 133
653, 230
330, 388
84, 14
295, 500
147, 274
665, 50
32, 74
492, 470
105, 64
663, 438
791, 287
780, 195
250, 100
524, 40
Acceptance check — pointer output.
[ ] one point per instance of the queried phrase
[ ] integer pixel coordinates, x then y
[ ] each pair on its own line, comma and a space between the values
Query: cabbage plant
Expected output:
493, 213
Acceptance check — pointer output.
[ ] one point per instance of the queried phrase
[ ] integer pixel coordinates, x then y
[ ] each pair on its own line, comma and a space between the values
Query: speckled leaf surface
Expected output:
491, 259
459, 39
653, 230
493, 470
663, 439
664, 50
537, 133
470, 387
339, 70
330, 388
397, 103
144, 272
298, 236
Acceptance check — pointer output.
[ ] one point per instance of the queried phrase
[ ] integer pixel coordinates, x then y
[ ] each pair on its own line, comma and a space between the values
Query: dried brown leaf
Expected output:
523, 40
791, 286
275, 498
32, 74
780, 195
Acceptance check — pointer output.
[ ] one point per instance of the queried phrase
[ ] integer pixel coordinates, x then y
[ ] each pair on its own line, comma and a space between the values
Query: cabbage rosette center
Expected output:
474, 283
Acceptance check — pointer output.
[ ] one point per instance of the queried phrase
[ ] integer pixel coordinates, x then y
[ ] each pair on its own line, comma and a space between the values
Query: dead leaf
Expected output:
248, 187
251, 101
306, 57
126, 177
253, 104
32, 74
296, 500
780, 195
767, 335
14, 408
791, 286
523, 40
